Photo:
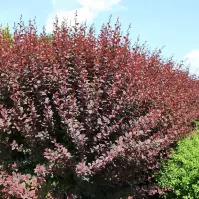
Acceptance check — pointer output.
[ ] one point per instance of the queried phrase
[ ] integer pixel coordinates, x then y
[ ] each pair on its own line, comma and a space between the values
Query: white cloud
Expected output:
84, 14
99, 5
193, 59
87, 12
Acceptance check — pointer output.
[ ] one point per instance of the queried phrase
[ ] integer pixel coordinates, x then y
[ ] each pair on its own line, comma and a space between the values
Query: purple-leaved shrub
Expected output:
86, 116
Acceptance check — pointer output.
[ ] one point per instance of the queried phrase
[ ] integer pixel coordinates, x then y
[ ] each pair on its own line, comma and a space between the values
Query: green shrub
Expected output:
181, 172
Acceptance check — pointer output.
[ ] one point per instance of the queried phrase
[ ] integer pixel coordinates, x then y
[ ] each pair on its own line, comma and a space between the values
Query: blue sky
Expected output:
169, 23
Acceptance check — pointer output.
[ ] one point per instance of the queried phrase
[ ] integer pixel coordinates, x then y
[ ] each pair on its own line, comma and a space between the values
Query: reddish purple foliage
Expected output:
84, 115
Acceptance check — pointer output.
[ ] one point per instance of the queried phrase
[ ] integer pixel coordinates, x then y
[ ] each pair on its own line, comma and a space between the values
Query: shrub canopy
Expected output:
87, 116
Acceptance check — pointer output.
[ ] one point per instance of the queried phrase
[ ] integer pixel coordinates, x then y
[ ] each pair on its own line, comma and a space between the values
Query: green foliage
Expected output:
6, 34
181, 171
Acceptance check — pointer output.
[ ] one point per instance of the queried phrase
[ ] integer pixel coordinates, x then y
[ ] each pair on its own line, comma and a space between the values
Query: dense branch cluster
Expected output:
85, 115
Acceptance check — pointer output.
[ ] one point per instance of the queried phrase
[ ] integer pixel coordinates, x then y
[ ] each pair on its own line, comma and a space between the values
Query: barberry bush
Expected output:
85, 115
